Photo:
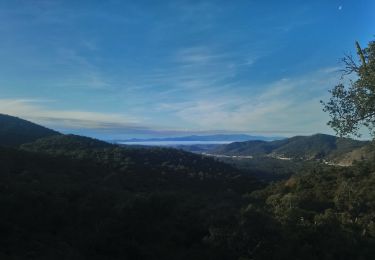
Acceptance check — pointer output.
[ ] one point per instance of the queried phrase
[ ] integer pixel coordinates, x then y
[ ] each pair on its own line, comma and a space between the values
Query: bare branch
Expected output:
350, 65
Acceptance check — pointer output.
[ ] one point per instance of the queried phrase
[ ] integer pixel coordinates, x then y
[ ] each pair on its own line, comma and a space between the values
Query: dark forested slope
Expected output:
73, 197
153, 161
15, 131
325, 213
59, 208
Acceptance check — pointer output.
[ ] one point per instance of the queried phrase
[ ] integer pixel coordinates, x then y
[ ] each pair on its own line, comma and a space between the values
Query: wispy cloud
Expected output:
38, 111
287, 105
198, 56
101, 125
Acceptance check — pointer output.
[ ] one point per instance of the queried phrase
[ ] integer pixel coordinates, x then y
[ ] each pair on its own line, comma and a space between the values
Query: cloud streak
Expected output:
36, 110
287, 105
100, 125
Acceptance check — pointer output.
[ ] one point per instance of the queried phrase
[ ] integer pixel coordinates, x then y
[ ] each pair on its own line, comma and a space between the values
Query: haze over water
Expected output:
174, 143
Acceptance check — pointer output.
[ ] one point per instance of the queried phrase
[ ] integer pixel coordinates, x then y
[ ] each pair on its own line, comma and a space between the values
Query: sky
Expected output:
120, 69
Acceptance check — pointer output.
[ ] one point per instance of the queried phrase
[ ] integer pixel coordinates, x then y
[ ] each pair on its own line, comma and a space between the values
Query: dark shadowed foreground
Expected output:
72, 197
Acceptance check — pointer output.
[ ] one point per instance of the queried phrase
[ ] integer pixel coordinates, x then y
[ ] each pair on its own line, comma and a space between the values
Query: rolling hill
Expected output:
73, 197
15, 131
318, 146
154, 162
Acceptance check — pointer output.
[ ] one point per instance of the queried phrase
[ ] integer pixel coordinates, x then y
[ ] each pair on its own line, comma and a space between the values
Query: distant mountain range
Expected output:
217, 137
15, 132
318, 146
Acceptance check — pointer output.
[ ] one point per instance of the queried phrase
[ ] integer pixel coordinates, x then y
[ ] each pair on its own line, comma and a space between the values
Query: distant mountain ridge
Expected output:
217, 137
318, 146
15, 131
159, 164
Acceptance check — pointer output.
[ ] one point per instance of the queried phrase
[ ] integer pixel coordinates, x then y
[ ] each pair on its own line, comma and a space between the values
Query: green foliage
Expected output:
326, 213
352, 107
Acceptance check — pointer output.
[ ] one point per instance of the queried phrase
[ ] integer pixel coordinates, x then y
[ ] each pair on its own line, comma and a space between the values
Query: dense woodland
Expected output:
72, 197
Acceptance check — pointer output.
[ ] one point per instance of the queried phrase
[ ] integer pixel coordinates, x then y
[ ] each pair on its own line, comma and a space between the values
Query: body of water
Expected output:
175, 143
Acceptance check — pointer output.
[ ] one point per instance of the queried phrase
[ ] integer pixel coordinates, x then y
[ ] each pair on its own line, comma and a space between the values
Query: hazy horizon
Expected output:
137, 69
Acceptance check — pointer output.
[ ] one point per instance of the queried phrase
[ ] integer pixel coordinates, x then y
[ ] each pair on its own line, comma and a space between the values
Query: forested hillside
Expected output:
15, 131
73, 197
58, 207
326, 213
161, 162
315, 147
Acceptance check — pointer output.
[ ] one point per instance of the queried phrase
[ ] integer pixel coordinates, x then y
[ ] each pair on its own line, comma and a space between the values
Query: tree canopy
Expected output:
353, 106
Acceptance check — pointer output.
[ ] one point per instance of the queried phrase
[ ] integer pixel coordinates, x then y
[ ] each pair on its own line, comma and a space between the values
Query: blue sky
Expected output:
114, 69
